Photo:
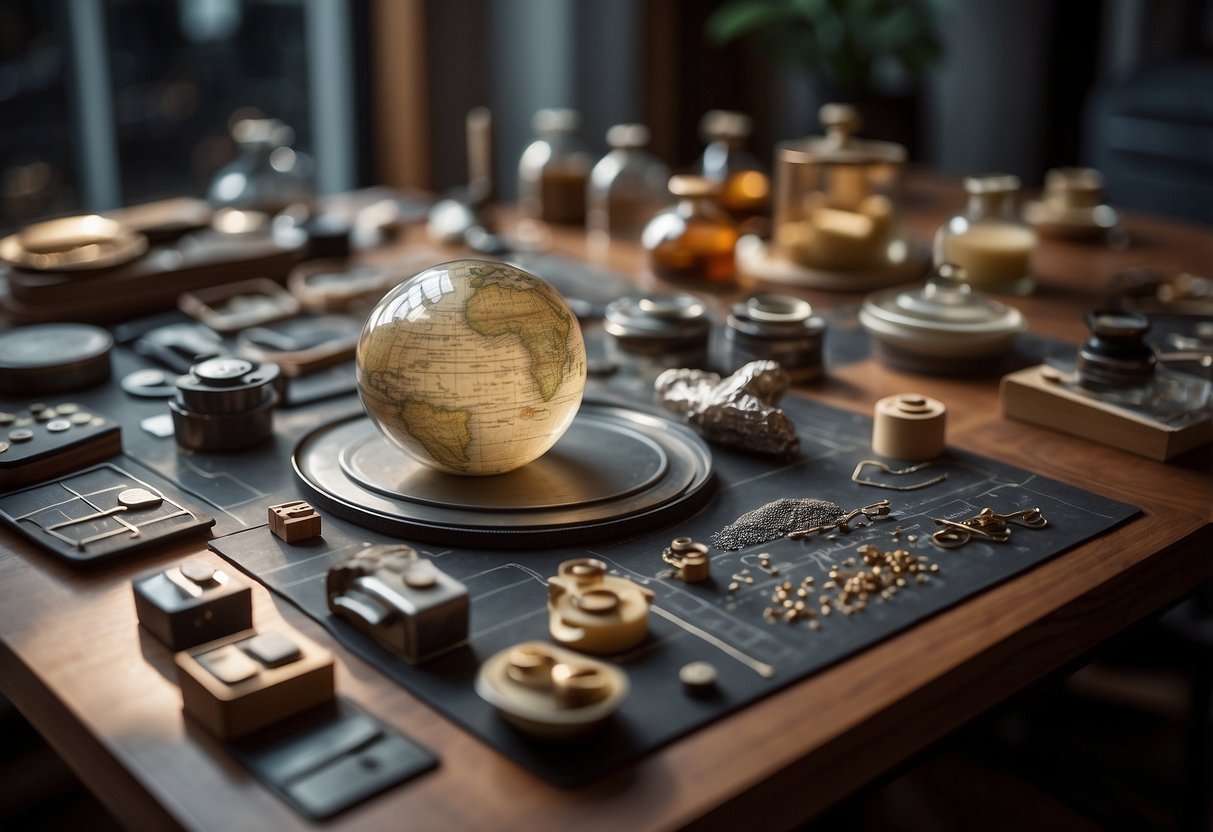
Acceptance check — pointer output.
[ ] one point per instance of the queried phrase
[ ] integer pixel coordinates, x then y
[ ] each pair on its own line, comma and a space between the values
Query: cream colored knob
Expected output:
909, 426
576, 686
530, 665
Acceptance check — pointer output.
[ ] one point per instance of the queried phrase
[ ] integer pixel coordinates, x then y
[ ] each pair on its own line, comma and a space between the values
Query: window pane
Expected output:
37, 170
181, 72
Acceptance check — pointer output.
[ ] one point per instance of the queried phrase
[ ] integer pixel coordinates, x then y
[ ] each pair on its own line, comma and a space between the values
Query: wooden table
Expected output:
75, 663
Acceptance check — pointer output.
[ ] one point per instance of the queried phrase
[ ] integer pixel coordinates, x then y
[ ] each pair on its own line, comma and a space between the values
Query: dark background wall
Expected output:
108, 102
1010, 94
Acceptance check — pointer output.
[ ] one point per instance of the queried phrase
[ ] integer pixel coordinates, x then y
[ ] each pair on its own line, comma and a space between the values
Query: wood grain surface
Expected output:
73, 659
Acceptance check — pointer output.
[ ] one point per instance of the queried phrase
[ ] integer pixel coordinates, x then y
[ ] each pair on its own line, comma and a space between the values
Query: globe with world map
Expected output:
472, 367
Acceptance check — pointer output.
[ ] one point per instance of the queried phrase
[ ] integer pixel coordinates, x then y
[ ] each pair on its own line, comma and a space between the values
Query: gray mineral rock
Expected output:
740, 411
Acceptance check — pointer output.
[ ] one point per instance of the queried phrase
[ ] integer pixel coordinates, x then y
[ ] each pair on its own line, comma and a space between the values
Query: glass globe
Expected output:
472, 367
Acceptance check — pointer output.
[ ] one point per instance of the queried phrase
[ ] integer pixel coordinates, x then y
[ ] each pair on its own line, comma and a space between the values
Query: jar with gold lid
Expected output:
988, 241
836, 217
694, 239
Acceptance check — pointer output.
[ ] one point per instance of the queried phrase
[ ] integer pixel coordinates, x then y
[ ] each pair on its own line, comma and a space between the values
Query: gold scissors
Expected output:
986, 525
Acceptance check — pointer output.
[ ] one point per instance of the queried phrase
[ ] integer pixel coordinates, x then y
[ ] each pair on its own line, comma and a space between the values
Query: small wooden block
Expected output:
294, 521
1029, 397
244, 682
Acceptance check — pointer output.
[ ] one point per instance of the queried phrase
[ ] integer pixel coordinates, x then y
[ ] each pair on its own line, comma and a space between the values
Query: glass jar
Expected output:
627, 186
1072, 205
693, 239
743, 188
988, 241
553, 170
267, 175
836, 198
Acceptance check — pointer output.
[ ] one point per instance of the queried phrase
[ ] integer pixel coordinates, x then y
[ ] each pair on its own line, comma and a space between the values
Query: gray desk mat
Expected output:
704, 621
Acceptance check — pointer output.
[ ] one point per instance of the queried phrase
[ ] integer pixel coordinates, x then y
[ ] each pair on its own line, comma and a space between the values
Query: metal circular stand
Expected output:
615, 471
755, 260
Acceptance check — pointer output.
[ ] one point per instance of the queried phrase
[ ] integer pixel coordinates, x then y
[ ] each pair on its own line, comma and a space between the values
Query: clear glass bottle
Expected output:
553, 170
743, 186
266, 175
1072, 207
627, 186
836, 198
693, 239
989, 241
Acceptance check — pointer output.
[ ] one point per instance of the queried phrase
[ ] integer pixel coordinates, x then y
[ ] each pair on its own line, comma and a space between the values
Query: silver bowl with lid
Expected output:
943, 327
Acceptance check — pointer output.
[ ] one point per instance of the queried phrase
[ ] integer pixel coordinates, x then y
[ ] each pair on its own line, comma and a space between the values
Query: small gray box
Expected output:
192, 603
401, 600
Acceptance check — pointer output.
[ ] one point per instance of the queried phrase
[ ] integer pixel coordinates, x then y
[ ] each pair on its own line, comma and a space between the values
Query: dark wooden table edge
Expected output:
831, 768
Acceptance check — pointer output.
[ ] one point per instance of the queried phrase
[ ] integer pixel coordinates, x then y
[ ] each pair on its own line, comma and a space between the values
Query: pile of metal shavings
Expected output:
775, 520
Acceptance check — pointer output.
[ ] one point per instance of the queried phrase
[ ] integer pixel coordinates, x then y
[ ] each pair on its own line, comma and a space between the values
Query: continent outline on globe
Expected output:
472, 367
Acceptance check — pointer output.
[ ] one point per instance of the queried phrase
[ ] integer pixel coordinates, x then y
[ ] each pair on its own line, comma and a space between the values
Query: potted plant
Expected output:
867, 52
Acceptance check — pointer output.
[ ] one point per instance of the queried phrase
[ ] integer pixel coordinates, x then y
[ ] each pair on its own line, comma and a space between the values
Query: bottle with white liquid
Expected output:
989, 241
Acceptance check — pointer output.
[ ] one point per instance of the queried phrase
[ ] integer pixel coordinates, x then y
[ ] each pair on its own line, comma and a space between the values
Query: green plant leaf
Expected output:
737, 19
843, 39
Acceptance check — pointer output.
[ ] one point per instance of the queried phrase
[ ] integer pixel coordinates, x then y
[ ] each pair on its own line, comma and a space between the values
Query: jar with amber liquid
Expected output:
627, 186
694, 239
554, 169
989, 241
743, 188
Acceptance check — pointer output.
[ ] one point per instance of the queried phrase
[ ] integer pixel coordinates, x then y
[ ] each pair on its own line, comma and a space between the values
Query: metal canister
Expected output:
777, 328
653, 333
224, 404
1116, 356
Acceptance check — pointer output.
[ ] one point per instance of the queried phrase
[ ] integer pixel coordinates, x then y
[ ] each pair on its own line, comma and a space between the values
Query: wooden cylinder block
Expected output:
909, 426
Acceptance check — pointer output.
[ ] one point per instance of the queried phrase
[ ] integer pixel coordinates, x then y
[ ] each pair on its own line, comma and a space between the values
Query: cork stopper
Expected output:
628, 136
991, 183
725, 124
555, 120
685, 185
